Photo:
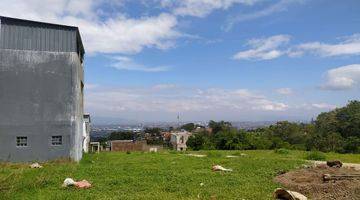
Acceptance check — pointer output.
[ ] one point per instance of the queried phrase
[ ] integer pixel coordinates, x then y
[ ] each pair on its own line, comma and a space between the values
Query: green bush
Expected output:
352, 145
315, 155
282, 151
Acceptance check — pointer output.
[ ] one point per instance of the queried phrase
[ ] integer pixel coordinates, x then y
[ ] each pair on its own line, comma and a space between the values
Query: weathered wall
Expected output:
123, 145
29, 36
40, 96
78, 108
118, 145
20, 34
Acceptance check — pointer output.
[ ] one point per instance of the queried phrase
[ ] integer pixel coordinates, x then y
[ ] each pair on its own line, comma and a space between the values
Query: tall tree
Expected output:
188, 127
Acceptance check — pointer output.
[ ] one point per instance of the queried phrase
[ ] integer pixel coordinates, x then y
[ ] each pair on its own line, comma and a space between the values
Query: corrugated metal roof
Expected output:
39, 36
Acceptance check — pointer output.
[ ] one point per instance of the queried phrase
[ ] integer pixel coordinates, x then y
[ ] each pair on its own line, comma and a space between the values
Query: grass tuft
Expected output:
315, 155
282, 151
214, 154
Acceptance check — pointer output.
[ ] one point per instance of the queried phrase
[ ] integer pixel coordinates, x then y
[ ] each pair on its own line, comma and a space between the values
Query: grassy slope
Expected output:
164, 175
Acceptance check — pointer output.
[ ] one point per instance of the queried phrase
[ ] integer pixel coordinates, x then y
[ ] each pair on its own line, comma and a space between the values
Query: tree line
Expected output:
336, 131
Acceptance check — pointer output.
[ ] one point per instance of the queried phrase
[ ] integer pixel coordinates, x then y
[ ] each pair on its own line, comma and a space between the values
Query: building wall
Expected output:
86, 133
128, 145
152, 147
122, 145
36, 36
40, 96
22, 36
77, 89
178, 140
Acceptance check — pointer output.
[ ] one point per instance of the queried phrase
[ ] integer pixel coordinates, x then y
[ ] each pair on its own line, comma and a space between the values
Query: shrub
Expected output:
352, 145
301, 147
195, 142
315, 155
282, 151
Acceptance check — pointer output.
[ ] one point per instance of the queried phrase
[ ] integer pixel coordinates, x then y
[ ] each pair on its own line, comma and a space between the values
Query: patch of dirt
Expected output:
310, 182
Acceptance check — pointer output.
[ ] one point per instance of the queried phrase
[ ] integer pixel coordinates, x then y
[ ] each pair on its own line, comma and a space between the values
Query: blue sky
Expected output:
239, 60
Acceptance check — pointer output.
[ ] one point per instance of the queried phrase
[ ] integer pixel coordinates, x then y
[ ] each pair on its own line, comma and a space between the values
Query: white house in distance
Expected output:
178, 139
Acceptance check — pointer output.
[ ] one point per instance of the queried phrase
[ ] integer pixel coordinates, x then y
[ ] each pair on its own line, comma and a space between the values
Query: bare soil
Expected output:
309, 182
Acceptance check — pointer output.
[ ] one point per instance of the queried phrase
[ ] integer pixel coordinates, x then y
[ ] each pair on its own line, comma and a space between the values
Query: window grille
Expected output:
56, 140
21, 141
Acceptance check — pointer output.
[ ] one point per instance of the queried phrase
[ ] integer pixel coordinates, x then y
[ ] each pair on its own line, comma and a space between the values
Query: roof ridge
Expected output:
38, 22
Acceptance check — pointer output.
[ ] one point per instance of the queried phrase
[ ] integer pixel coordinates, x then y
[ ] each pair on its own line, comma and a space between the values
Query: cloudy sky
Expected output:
240, 60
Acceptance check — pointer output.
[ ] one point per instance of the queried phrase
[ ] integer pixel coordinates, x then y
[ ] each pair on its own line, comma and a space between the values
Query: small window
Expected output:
56, 140
21, 141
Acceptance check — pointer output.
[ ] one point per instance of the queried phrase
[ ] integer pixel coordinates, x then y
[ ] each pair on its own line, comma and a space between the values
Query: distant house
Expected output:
179, 139
41, 91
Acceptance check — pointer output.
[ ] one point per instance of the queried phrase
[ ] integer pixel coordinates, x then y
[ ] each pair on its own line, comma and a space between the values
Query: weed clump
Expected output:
173, 151
315, 155
282, 151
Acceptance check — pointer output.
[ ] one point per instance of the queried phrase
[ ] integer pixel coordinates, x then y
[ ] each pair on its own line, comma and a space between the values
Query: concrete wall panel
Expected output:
40, 96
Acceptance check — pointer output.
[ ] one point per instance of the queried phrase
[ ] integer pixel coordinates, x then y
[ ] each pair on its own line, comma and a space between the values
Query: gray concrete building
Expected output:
41, 91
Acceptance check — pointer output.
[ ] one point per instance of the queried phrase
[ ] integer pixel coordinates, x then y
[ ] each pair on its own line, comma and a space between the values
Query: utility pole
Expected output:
178, 118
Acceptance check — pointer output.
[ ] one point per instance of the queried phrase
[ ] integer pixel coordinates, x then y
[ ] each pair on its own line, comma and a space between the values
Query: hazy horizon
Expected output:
120, 121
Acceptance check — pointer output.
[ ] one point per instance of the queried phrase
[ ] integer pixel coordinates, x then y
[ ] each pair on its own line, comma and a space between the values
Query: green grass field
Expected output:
165, 175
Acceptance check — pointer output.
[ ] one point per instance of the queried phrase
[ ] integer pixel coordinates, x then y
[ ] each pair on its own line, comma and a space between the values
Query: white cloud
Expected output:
90, 86
164, 86
240, 99
274, 107
165, 101
123, 35
280, 6
349, 46
264, 48
276, 46
315, 107
342, 78
323, 106
126, 63
114, 34
284, 91
201, 8
159, 100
